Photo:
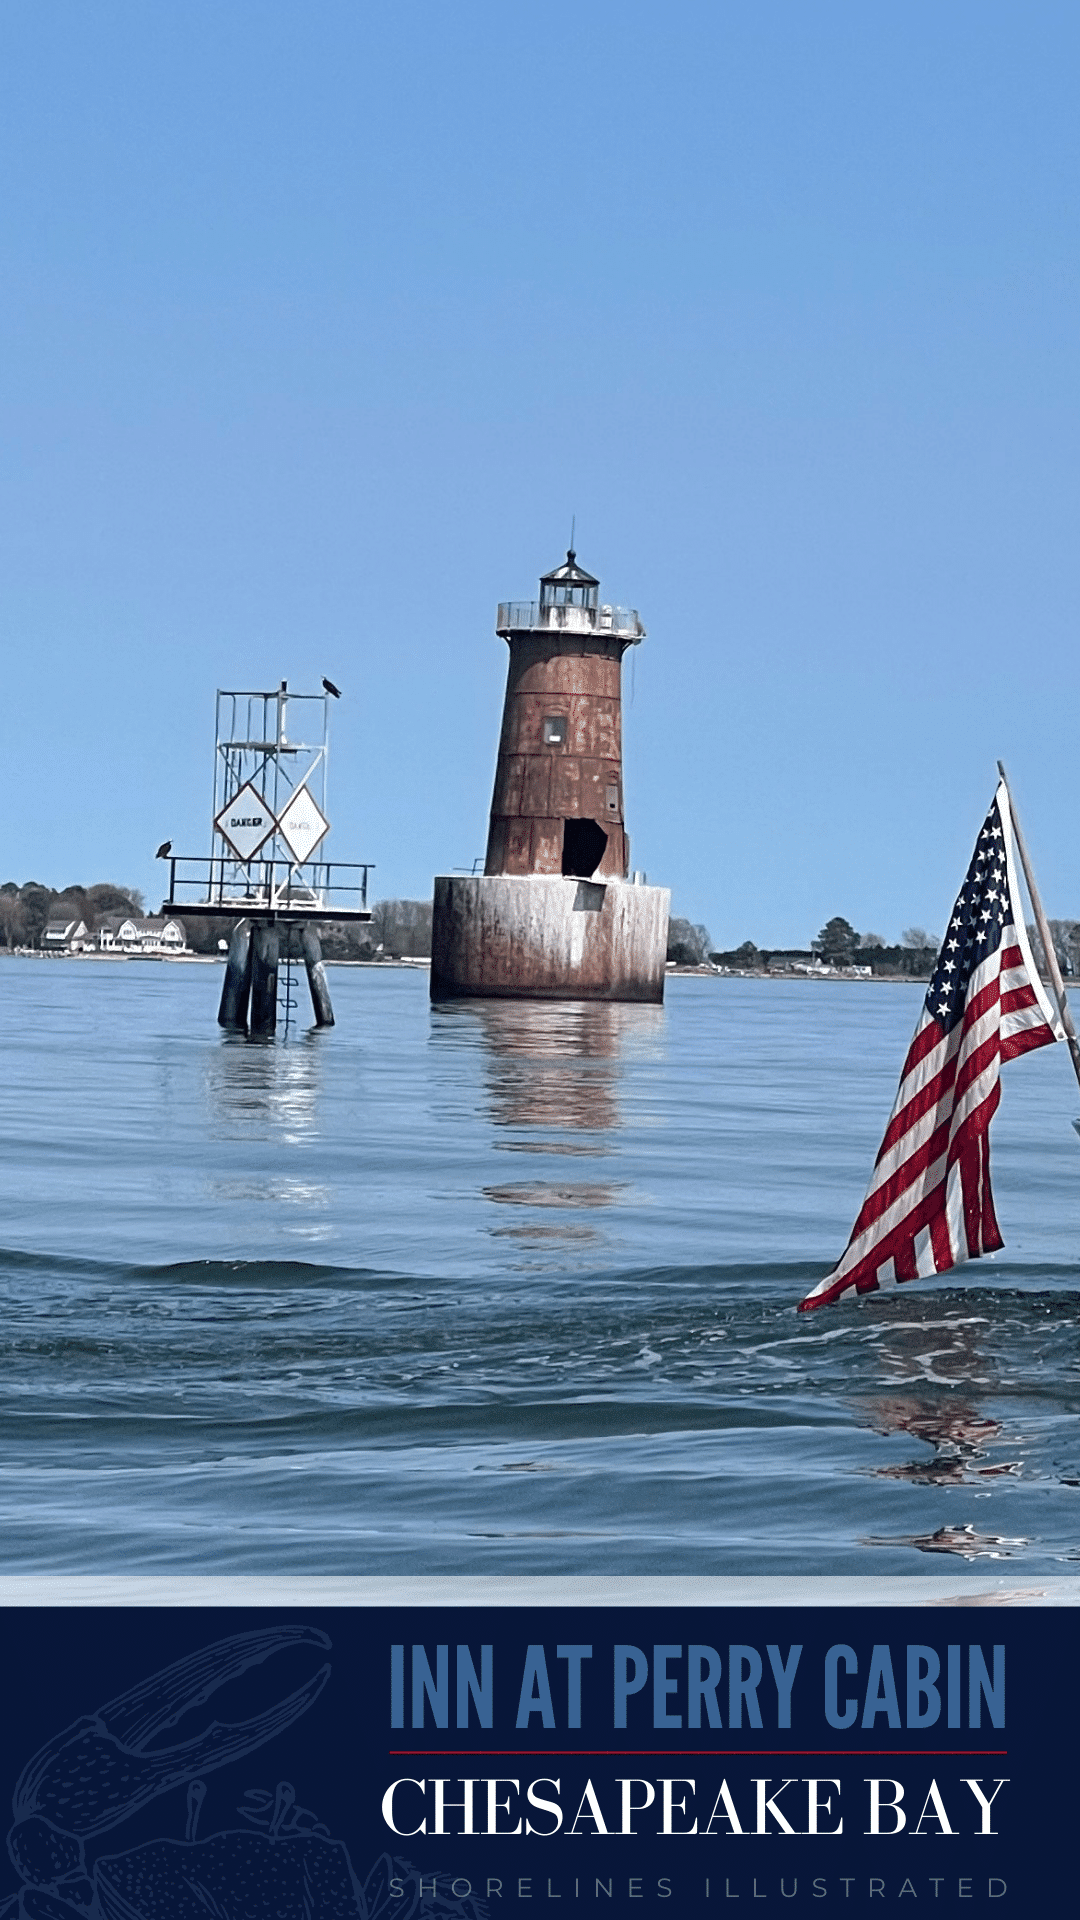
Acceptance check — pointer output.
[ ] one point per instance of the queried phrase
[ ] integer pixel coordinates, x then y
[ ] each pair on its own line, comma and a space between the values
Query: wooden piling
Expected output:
264, 973
316, 973
236, 987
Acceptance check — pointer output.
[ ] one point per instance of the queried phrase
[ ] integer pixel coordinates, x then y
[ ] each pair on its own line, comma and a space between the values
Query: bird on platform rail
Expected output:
164, 850
330, 688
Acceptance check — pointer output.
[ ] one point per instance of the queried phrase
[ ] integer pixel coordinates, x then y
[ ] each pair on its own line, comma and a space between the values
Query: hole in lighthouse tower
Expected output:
583, 848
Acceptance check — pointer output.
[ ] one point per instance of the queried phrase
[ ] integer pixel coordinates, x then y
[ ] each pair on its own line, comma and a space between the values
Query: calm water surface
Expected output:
510, 1288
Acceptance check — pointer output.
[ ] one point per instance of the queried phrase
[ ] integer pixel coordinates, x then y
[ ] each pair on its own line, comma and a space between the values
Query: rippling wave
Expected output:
263, 1310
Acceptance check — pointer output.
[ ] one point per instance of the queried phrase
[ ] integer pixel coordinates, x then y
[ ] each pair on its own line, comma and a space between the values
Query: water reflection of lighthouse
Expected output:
553, 1075
557, 1069
554, 914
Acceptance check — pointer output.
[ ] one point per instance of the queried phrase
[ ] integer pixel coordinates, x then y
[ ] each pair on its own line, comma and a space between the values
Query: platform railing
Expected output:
517, 616
223, 886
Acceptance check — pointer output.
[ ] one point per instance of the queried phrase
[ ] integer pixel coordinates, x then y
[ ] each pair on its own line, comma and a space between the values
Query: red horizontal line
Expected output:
696, 1753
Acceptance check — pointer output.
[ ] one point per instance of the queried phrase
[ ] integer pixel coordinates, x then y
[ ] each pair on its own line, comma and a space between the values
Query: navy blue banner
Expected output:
382, 1764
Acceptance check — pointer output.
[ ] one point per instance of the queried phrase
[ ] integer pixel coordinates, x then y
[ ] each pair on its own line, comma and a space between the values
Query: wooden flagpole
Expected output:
1045, 936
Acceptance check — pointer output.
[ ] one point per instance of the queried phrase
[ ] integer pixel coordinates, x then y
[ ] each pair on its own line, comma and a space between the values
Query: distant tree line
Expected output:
838, 945
25, 911
688, 945
401, 929
397, 930
913, 956
1065, 935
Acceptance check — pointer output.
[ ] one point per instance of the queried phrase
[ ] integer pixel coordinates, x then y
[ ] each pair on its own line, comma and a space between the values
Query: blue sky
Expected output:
318, 322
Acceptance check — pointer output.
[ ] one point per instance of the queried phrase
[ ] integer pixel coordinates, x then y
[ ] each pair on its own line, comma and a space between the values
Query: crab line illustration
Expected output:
284, 1865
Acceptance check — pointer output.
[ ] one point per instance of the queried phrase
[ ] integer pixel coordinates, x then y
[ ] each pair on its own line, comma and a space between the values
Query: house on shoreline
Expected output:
136, 933
127, 933
66, 936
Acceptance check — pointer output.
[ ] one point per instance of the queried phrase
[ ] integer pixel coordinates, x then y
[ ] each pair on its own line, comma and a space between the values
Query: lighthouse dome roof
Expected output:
569, 575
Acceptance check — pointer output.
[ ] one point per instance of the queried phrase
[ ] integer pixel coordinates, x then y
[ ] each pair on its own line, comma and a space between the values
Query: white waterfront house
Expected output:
131, 933
65, 936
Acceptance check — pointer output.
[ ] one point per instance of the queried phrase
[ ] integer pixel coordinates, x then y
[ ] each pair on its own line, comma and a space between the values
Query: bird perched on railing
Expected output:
164, 850
330, 688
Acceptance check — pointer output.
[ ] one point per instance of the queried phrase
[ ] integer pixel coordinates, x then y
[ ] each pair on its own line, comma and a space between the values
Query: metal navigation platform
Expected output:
264, 874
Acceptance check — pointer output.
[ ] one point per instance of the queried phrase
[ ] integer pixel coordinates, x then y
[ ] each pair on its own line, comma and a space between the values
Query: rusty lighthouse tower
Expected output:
555, 914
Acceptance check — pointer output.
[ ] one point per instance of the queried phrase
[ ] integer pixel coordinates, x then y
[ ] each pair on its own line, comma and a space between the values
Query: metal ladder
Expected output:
286, 1002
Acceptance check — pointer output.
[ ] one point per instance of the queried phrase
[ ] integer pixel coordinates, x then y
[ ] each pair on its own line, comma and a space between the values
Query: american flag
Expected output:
929, 1205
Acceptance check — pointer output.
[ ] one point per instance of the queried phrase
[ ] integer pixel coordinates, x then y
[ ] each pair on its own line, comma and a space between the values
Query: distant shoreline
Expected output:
218, 960
416, 965
186, 959
799, 973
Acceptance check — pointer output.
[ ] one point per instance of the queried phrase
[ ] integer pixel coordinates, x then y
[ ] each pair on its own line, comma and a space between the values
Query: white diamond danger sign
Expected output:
246, 821
301, 825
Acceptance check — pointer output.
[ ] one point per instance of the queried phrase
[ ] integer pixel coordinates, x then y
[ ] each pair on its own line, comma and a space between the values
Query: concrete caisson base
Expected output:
544, 937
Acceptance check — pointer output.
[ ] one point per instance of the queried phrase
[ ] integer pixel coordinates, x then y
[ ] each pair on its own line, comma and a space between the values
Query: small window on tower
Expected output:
554, 729
613, 799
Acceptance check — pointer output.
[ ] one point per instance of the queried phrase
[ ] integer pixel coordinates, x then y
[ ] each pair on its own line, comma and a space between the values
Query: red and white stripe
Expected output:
929, 1205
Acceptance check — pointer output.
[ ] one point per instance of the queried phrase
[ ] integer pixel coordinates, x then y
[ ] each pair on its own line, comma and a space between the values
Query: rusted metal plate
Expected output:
566, 785
547, 839
595, 727
508, 779
536, 786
